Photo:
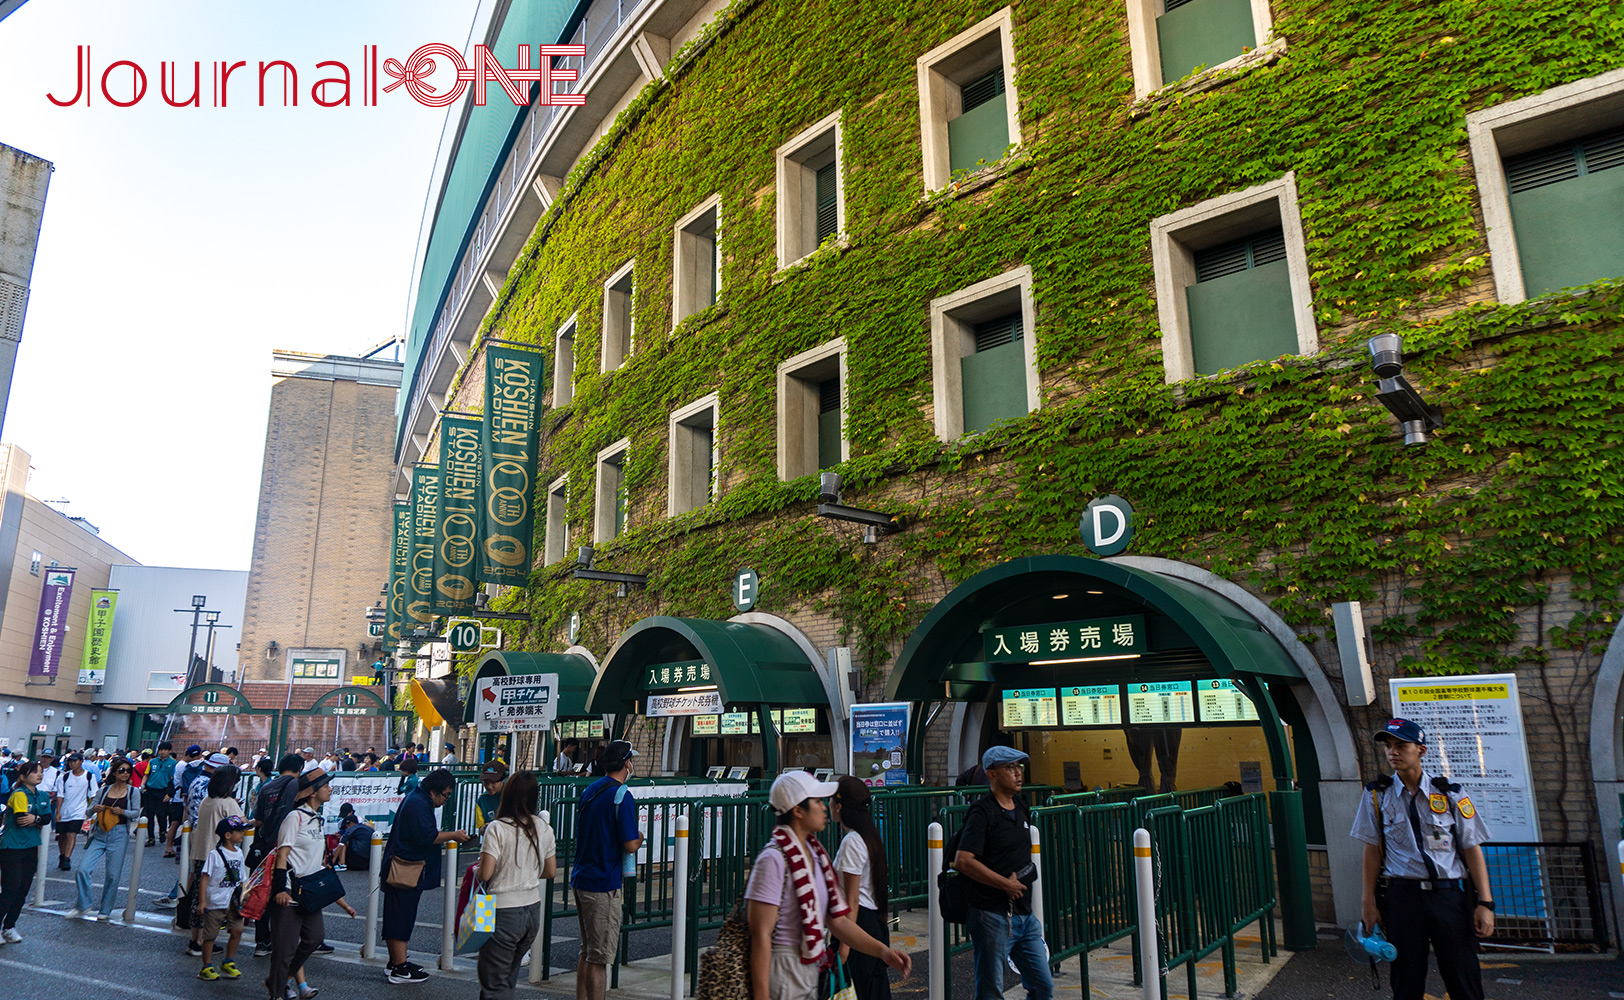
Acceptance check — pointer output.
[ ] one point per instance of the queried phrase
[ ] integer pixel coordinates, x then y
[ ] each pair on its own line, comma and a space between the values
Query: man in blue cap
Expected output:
1423, 859
995, 851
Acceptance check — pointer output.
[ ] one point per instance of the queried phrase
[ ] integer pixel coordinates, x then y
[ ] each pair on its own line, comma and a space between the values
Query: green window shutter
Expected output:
622, 501
829, 423
715, 267
1566, 201
993, 379
980, 133
1240, 306
828, 204
1196, 33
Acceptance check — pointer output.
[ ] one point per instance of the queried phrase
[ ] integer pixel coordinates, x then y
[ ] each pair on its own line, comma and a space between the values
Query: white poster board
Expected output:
376, 798
1475, 737
520, 703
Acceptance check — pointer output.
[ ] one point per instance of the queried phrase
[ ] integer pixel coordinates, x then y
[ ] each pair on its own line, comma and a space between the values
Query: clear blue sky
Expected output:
181, 245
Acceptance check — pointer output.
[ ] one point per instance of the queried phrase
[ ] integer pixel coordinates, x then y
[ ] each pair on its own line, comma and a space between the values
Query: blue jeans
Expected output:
1016, 937
112, 846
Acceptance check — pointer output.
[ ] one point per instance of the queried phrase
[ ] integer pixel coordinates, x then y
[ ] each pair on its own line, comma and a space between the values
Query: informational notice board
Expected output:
1164, 702
1475, 736
879, 738
1030, 707
1097, 705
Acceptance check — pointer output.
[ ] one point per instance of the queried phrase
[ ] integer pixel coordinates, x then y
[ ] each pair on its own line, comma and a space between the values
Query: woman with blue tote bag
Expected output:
301, 886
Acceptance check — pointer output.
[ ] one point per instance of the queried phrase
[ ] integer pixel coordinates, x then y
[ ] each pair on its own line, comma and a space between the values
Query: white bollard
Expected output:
448, 923
679, 909
1150, 961
140, 849
1037, 874
538, 961
39, 872
369, 940
183, 853
938, 938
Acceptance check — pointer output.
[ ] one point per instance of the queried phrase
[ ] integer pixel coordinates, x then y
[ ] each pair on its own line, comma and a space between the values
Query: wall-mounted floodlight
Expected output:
1415, 415
583, 571
875, 523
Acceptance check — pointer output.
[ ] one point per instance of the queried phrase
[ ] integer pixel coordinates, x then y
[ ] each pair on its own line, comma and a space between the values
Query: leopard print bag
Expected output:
724, 968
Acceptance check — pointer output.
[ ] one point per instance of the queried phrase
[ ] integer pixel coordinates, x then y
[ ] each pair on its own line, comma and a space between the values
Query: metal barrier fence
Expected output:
1546, 894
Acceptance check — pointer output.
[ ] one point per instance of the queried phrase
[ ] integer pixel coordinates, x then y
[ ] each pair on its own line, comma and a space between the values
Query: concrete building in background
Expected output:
24, 179
321, 537
35, 540
151, 640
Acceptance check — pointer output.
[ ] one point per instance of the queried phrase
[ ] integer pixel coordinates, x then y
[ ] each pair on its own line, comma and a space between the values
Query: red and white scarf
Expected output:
813, 944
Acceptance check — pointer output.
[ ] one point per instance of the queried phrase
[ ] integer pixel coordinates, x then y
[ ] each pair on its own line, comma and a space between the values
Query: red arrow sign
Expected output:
489, 694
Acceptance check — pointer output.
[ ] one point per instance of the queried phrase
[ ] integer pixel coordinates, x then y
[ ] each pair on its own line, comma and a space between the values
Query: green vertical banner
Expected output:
400, 571
508, 447
458, 536
93, 669
425, 526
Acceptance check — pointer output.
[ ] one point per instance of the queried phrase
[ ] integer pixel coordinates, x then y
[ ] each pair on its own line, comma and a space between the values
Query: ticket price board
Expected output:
1098, 705
1161, 703
735, 723
800, 720
1223, 701
1030, 707
707, 725
778, 721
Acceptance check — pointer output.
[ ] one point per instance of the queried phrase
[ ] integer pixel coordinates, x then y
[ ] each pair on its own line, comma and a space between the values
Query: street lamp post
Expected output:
198, 601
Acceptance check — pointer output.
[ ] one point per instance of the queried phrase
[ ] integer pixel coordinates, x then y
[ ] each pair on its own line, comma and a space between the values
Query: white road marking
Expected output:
82, 980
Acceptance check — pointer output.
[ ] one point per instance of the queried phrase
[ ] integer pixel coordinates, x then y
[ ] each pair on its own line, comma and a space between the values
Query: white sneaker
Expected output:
74, 914
11, 936
104, 917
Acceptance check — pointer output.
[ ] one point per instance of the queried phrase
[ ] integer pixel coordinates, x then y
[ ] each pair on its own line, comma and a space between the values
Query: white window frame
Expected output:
939, 97
564, 371
1175, 236
626, 270
952, 338
796, 180
1528, 123
687, 297
680, 484
556, 544
604, 500
798, 410
1146, 50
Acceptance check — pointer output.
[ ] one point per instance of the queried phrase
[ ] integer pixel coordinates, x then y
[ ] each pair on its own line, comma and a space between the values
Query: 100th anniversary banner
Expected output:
457, 537
508, 450
425, 529
400, 571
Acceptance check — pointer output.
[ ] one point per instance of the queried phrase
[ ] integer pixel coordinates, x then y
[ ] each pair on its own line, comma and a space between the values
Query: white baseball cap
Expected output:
792, 788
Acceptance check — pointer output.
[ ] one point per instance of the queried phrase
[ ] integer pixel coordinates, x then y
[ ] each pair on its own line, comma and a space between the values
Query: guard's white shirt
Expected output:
308, 766
1440, 831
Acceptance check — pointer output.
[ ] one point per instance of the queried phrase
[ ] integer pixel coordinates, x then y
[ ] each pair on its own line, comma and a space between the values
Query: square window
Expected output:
564, 364
617, 317
693, 456
811, 191
557, 541
983, 356
33, 564
1232, 281
811, 411
968, 111
610, 500
698, 266
1170, 39
1550, 173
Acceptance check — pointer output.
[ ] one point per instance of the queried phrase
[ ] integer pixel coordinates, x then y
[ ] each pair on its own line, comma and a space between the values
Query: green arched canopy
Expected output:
575, 676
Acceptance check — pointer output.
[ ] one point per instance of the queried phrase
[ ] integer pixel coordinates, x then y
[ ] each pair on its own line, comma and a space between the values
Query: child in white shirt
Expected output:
223, 874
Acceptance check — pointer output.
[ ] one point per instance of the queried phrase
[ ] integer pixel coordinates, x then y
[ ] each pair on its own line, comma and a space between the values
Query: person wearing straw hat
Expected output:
795, 904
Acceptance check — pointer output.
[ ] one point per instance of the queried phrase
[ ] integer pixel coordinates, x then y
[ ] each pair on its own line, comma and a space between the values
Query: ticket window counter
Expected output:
733, 739
589, 733
1177, 735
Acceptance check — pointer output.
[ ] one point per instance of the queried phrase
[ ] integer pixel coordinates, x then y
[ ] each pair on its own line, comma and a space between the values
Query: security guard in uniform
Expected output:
1422, 844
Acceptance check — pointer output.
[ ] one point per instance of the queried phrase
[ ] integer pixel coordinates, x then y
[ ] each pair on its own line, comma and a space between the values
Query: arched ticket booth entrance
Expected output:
576, 672
352, 703
699, 674
1058, 643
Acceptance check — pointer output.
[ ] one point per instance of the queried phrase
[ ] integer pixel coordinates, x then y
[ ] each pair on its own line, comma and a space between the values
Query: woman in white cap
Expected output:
795, 901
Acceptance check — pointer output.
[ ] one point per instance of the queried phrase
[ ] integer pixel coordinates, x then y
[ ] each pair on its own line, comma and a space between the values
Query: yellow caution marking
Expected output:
683, 834
934, 845
1141, 852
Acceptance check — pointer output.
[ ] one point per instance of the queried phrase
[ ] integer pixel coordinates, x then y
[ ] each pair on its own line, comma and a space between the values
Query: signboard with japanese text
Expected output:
879, 737
212, 705
735, 723
800, 720
51, 633
1095, 705
350, 703
666, 676
375, 798
684, 703
1030, 707
1475, 736
1223, 701
93, 670
706, 725
520, 703
778, 722
1067, 642
1162, 703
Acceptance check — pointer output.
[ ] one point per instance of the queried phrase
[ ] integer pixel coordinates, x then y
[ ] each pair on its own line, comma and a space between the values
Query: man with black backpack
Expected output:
275, 800
995, 852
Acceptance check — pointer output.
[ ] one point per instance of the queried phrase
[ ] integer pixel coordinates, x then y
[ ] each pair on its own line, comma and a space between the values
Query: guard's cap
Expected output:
619, 750
193, 750
792, 788
1402, 729
999, 756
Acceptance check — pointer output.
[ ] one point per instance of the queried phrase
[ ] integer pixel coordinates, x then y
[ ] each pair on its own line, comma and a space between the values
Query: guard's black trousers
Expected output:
1443, 916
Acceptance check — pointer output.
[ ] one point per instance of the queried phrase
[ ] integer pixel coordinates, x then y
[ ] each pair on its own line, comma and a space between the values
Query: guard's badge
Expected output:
1466, 808
1439, 803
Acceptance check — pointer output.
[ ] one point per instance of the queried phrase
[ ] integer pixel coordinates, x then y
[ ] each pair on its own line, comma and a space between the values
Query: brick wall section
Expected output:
251, 732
